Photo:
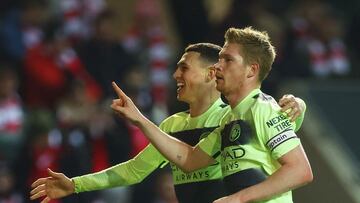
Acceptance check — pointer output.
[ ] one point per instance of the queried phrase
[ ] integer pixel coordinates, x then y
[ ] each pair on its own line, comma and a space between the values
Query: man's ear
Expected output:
210, 74
253, 70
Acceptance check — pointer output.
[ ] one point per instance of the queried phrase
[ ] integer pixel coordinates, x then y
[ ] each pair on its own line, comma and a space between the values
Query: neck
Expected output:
202, 104
234, 98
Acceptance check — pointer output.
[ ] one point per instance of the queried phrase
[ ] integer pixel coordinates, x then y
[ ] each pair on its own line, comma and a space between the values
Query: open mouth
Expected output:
179, 85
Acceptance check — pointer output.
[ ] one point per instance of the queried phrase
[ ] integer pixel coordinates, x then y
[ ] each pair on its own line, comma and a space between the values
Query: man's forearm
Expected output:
279, 182
123, 174
289, 176
176, 151
127, 173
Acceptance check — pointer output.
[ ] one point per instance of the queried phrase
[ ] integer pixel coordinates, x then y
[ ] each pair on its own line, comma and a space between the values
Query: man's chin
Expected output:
219, 88
181, 98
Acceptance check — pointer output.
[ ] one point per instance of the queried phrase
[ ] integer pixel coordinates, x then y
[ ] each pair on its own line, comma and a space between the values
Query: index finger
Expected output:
118, 91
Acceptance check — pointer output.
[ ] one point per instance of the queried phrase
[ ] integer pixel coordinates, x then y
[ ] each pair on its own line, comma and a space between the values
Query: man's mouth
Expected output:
179, 85
219, 77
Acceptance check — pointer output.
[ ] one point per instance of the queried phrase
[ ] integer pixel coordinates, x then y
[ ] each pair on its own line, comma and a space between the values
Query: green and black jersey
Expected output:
203, 185
251, 138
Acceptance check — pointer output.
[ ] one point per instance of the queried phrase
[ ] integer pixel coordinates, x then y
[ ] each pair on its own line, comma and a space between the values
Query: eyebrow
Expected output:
223, 55
181, 63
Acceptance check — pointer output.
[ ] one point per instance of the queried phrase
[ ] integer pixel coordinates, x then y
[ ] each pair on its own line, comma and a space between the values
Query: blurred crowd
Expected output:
58, 59
313, 39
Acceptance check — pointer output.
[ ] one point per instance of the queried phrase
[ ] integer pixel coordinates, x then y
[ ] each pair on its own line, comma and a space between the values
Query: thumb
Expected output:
117, 108
53, 174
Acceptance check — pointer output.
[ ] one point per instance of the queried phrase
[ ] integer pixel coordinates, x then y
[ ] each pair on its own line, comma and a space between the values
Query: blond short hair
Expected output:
256, 47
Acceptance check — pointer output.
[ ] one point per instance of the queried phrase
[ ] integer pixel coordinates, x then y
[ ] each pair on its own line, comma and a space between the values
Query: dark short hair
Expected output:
208, 52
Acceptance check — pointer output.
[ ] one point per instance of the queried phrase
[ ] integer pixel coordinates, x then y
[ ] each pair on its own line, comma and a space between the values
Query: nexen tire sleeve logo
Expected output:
280, 138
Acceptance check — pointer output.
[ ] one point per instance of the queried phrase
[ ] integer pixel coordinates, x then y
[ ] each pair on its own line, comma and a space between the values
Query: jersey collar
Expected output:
245, 104
215, 105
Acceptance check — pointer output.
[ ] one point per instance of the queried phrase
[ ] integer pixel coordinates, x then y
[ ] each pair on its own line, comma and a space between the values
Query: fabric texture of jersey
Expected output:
251, 138
189, 187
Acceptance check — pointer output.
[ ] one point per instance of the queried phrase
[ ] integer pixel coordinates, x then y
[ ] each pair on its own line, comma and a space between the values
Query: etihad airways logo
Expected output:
231, 153
280, 138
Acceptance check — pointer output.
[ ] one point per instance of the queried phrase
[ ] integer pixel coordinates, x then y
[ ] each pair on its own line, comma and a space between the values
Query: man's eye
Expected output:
183, 68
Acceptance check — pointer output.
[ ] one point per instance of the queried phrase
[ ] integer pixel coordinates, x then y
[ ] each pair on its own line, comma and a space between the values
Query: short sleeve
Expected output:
275, 130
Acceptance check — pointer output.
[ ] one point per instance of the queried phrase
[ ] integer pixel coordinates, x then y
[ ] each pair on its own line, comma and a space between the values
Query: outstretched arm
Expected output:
294, 172
186, 157
133, 171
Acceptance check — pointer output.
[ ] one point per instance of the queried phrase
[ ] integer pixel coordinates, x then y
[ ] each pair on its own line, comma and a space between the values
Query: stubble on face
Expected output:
231, 68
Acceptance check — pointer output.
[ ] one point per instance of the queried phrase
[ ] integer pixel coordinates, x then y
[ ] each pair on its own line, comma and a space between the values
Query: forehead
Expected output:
232, 49
189, 58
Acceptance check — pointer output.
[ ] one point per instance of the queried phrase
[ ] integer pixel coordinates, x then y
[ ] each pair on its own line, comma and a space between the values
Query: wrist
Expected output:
73, 186
141, 122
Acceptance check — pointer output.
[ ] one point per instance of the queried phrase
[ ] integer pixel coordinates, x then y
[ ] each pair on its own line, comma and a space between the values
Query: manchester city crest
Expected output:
235, 132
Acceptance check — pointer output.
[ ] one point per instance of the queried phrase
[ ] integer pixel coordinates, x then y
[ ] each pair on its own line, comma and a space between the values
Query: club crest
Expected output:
235, 132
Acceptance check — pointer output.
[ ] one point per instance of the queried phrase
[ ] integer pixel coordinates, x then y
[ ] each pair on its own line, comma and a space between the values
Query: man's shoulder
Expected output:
263, 98
267, 115
221, 109
263, 109
177, 117
264, 103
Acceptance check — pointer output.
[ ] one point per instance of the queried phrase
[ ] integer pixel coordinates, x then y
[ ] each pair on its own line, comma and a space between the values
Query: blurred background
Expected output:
58, 58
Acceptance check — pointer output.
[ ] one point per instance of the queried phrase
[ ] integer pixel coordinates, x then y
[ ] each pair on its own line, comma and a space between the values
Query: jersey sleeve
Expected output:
123, 174
275, 130
211, 144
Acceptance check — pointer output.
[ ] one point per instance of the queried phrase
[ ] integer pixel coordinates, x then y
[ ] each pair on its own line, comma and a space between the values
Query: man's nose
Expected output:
217, 66
175, 74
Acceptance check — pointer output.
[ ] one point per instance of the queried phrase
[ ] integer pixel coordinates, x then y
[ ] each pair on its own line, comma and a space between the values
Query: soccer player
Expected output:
261, 157
195, 77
